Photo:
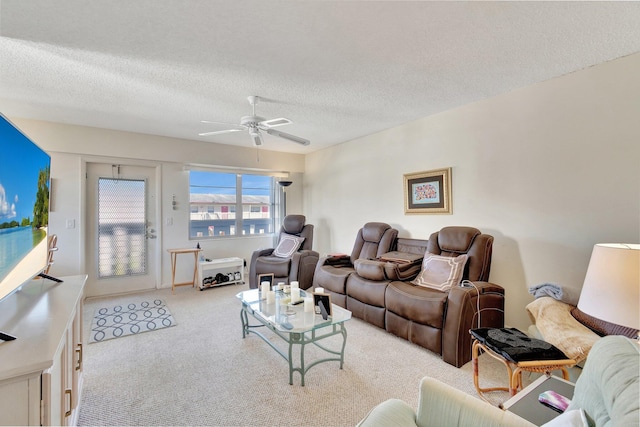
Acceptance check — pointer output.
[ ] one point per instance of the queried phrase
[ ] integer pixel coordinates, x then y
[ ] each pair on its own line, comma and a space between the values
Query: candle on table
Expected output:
264, 288
308, 304
295, 294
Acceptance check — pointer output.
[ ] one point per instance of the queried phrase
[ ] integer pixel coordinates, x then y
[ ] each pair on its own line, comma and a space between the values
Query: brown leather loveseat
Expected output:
382, 293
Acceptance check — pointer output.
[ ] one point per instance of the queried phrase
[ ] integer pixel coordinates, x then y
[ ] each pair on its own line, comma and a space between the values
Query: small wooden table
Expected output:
174, 254
514, 370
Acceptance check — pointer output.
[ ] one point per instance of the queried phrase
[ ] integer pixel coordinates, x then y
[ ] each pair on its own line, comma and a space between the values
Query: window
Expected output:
215, 197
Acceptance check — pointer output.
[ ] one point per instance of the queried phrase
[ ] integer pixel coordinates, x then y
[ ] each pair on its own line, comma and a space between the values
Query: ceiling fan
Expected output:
254, 124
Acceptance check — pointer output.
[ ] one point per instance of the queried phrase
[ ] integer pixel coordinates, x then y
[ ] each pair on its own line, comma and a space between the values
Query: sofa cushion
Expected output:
332, 278
369, 269
370, 292
515, 345
441, 272
288, 245
271, 264
293, 224
416, 303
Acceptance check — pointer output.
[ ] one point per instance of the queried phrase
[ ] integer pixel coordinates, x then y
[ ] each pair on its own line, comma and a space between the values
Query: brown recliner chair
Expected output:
299, 266
440, 320
373, 240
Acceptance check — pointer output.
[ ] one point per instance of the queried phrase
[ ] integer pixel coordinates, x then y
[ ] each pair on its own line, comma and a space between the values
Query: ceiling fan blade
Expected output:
271, 123
218, 132
288, 136
221, 123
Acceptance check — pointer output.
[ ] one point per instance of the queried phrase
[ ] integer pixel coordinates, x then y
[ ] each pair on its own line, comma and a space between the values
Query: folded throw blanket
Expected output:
555, 291
556, 324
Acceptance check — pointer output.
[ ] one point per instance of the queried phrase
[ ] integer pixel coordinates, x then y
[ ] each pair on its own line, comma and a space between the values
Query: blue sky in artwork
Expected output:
20, 163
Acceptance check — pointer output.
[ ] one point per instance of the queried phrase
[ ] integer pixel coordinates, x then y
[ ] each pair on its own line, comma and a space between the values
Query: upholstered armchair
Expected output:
292, 259
372, 240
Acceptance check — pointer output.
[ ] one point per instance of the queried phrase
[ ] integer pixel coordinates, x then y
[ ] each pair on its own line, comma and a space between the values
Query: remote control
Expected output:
553, 400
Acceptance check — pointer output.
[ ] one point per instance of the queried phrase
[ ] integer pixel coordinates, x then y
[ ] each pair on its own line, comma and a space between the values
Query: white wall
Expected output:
548, 170
71, 147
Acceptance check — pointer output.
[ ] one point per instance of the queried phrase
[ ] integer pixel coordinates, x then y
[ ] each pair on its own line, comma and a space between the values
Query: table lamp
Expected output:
611, 290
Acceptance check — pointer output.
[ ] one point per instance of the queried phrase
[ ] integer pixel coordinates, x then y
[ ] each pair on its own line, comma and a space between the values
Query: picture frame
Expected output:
267, 277
326, 302
428, 192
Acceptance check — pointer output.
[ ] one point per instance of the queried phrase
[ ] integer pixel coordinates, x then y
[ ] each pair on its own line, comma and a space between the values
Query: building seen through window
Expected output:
215, 198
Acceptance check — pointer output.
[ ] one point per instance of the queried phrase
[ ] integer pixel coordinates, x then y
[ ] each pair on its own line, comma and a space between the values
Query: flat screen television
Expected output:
24, 209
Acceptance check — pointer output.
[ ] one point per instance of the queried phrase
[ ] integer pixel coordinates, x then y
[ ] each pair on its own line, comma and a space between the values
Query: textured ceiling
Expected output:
338, 69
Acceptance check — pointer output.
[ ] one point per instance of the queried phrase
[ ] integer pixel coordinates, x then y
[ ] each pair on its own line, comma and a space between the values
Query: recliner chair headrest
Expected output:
457, 239
373, 231
293, 224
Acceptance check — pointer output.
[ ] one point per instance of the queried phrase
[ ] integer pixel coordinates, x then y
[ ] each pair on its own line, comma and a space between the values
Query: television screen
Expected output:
24, 208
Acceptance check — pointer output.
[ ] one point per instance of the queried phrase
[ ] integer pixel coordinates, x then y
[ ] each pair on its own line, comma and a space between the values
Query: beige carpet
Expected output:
201, 372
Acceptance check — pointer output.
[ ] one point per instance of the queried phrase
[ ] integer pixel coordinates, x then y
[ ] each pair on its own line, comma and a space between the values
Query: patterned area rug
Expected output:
129, 319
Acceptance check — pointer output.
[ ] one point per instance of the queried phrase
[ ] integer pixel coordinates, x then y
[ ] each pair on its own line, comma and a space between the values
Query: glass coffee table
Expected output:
295, 326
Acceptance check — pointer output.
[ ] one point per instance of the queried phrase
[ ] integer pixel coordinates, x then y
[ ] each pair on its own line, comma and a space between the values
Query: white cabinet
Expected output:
209, 269
41, 371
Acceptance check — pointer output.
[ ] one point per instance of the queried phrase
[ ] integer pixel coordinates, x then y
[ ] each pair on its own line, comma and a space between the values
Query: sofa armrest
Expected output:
462, 315
337, 260
303, 266
392, 412
252, 265
440, 404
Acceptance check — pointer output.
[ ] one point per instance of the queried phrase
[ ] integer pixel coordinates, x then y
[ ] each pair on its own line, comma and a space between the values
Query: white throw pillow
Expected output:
288, 245
574, 418
441, 272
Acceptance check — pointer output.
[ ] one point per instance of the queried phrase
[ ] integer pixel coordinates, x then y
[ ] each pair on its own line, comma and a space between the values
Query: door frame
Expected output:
84, 213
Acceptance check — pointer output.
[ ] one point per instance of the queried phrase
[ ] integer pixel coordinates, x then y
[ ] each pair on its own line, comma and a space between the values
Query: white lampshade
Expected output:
611, 289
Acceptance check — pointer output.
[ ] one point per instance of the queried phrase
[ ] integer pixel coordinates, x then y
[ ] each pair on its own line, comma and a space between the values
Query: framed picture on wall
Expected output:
428, 192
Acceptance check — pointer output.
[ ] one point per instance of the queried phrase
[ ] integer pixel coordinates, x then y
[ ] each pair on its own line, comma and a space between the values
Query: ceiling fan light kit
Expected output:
254, 124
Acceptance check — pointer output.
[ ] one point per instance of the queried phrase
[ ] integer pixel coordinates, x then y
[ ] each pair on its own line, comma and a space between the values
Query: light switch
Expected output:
71, 223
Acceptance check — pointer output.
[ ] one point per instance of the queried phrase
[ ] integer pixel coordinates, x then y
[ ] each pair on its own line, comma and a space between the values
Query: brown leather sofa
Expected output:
300, 266
372, 240
383, 295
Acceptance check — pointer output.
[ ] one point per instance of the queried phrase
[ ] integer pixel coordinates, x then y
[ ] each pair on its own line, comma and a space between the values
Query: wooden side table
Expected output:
514, 370
174, 254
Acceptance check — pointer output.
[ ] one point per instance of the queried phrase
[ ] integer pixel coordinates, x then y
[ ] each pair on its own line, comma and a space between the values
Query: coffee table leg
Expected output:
245, 322
343, 331
296, 338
